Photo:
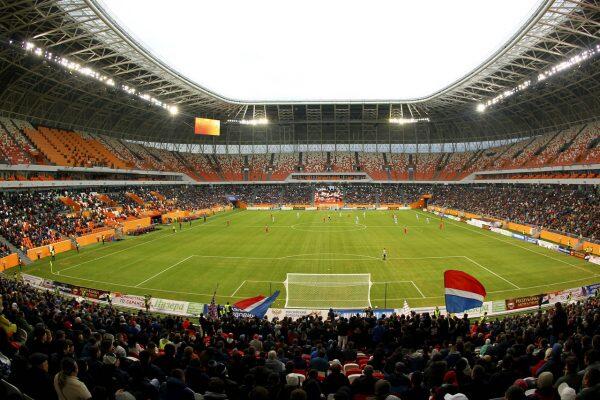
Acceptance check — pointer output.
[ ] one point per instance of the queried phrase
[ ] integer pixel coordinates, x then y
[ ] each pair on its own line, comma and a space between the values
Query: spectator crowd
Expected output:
54, 347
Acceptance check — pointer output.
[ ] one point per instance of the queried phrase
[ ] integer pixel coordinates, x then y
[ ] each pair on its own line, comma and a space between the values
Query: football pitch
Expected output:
244, 260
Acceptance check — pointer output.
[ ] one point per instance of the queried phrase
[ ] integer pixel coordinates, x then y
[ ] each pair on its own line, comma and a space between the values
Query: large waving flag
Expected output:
463, 292
254, 306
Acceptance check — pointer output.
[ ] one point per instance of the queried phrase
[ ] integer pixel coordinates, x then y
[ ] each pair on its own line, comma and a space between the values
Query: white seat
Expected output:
349, 366
352, 377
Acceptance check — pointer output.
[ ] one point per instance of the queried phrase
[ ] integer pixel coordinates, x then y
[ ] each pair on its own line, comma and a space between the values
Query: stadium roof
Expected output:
333, 51
79, 30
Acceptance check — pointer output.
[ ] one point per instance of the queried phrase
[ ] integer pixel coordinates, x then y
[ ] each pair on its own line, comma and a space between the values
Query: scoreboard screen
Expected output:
206, 126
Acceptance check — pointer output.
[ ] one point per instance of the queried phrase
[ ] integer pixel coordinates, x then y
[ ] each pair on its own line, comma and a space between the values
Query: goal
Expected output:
324, 291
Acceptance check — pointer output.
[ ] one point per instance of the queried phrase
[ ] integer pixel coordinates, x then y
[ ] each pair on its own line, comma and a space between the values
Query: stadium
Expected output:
290, 201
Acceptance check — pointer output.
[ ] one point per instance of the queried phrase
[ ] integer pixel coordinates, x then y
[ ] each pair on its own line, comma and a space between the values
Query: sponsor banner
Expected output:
128, 300
594, 259
498, 306
475, 222
195, 308
578, 254
486, 307
478, 223
286, 208
518, 236
38, 282
564, 250
591, 290
32, 280
378, 313
298, 208
452, 217
531, 240
564, 296
547, 245
259, 208
169, 306
81, 292
501, 231
89, 293
294, 314
518, 303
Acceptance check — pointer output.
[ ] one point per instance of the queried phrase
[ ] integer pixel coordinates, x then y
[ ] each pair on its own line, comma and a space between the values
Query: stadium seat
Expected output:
350, 366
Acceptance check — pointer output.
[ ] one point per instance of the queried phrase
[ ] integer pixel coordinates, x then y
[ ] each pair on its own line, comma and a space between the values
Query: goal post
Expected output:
324, 291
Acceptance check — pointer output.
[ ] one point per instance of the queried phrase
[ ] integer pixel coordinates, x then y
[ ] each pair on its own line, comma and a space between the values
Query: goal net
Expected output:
323, 291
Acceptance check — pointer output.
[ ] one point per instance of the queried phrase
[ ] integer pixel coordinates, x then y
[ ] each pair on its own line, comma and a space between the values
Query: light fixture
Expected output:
542, 76
72, 66
404, 121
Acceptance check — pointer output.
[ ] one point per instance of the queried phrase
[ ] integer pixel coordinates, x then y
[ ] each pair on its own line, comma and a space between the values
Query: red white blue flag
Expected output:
254, 306
463, 292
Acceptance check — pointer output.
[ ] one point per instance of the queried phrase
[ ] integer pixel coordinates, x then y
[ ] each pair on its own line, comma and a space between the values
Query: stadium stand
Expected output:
373, 164
564, 208
314, 162
21, 143
284, 164
106, 352
399, 166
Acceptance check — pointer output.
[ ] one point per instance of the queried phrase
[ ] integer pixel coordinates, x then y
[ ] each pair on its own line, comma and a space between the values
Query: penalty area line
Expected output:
163, 271
236, 290
418, 290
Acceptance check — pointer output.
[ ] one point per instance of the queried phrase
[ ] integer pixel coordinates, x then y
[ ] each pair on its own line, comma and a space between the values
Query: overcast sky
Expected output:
322, 50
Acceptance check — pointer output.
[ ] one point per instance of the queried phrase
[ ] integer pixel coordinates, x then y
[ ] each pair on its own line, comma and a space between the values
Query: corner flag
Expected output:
463, 292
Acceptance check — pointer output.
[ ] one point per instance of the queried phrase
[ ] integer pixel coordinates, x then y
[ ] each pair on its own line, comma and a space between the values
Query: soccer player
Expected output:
266, 228
173, 227
417, 216
442, 225
427, 219
103, 239
180, 224
272, 218
228, 222
384, 254
364, 215
405, 230
52, 252
395, 219
297, 215
77, 246
356, 220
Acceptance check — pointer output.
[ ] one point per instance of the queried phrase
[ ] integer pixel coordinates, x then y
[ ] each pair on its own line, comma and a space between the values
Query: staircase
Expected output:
69, 202
106, 200
158, 195
14, 249
135, 198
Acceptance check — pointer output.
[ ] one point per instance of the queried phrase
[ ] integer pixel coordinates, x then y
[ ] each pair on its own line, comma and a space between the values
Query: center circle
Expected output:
328, 227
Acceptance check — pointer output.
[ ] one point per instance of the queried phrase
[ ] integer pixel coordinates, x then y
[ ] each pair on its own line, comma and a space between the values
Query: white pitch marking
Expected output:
418, 290
164, 270
492, 272
492, 236
239, 287
129, 248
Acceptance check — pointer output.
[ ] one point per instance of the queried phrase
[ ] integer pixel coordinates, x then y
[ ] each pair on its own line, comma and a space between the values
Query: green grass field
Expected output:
245, 261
